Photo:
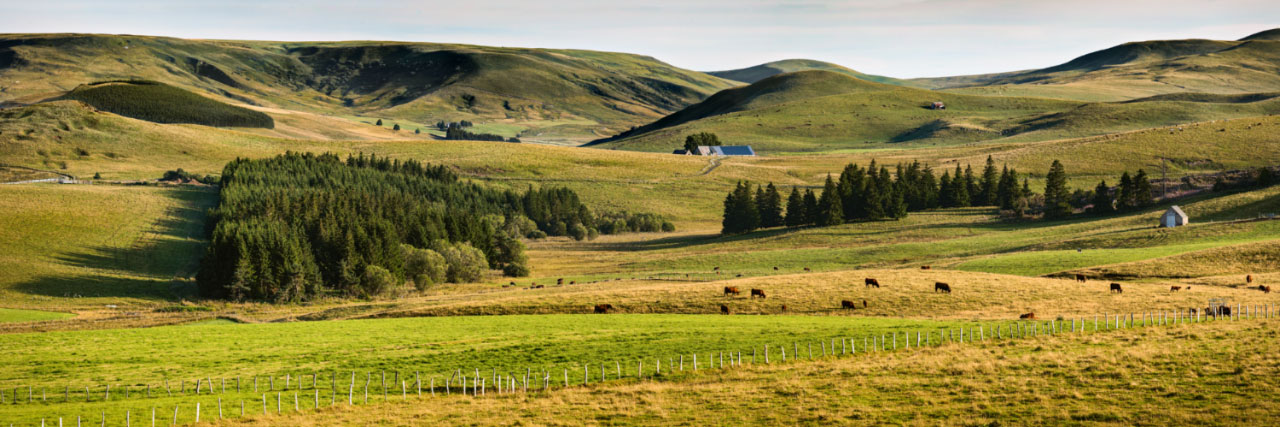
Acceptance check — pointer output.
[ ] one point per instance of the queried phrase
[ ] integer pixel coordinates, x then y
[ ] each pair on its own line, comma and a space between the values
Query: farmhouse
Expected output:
1174, 217
718, 150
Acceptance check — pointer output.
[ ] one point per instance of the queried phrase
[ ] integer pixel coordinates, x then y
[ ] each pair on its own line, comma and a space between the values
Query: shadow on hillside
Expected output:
158, 265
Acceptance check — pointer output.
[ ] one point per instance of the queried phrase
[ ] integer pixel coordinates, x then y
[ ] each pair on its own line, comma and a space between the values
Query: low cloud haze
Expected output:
901, 38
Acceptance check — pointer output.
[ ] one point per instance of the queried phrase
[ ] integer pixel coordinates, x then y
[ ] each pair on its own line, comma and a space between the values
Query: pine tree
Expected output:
1056, 195
850, 190
740, 214
811, 209
830, 207
1142, 190
379, 122
796, 215
973, 187
1124, 198
396, 127
946, 193
960, 188
1007, 189
1102, 202
771, 207
990, 185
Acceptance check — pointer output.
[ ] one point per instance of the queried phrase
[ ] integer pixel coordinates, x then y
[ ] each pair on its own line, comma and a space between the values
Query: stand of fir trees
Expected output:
873, 193
298, 226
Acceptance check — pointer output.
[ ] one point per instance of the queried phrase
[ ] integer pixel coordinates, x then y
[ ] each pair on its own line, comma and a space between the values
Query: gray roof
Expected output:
736, 150
1178, 211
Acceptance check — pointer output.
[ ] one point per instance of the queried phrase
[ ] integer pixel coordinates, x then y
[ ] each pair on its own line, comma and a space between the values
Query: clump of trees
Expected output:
870, 194
299, 226
455, 132
444, 126
161, 103
179, 175
701, 139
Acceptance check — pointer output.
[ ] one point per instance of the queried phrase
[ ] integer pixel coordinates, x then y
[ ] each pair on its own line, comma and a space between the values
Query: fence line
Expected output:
502, 383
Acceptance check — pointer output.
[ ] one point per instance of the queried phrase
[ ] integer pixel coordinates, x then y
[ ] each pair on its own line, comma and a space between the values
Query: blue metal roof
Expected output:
735, 150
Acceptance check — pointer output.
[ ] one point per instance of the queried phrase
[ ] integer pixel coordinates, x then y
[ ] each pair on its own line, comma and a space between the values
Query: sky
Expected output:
907, 38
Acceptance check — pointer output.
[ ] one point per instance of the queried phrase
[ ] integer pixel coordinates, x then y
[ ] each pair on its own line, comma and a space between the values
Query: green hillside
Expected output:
769, 69
825, 111
552, 94
161, 103
1141, 69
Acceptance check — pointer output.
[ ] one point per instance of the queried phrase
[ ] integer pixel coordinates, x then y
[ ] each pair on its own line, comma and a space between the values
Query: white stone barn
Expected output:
1174, 217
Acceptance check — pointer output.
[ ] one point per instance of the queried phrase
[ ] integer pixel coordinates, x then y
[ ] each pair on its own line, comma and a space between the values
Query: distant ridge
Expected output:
769, 69
1272, 34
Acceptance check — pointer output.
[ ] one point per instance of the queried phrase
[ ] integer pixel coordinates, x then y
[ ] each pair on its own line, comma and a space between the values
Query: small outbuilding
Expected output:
1174, 217
718, 150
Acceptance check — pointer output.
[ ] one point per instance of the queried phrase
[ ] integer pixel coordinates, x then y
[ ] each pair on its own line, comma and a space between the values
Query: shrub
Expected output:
466, 264
578, 232
424, 266
376, 281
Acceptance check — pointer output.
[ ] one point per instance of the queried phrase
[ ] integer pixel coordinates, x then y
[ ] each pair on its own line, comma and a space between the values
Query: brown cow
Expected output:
603, 308
1028, 316
757, 292
1248, 278
807, 269
1264, 288
1222, 311
560, 281
512, 283
872, 282
739, 275
730, 290
573, 282
1115, 287
784, 308
941, 287
716, 269
775, 269
1175, 288
924, 267
724, 309
1080, 278
847, 304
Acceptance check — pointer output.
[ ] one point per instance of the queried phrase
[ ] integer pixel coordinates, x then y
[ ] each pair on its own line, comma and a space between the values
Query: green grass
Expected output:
14, 315
52, 362
84, 246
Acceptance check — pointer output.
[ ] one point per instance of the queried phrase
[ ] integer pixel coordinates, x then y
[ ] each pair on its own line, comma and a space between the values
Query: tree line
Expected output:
456, 132
299, 226
874, 193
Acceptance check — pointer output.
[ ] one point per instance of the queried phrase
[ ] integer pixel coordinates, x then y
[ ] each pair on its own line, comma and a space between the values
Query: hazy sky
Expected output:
908, 38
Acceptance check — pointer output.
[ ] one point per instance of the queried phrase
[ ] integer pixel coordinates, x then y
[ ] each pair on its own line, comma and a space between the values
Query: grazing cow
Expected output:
1248, 278
784, 308
1175, 288
864, 303
847, 304
1080, 278
1222, 311
1028, 316
716, 269
924, 267
739, 275
1115, 287
560, 281
775, 269
807, 269
1188, 288
513, 283
724, 309
941, 287
573, 282
1264, 288
872, 282
537, 286
757, 293
603, 308
730, 290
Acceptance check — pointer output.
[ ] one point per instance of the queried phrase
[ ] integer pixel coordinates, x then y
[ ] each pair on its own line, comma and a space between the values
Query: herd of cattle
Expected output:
732, 291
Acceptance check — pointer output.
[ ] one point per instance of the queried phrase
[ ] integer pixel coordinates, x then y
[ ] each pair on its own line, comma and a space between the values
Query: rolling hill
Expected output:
821, 111
1141, 69
769, 69
553, 94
